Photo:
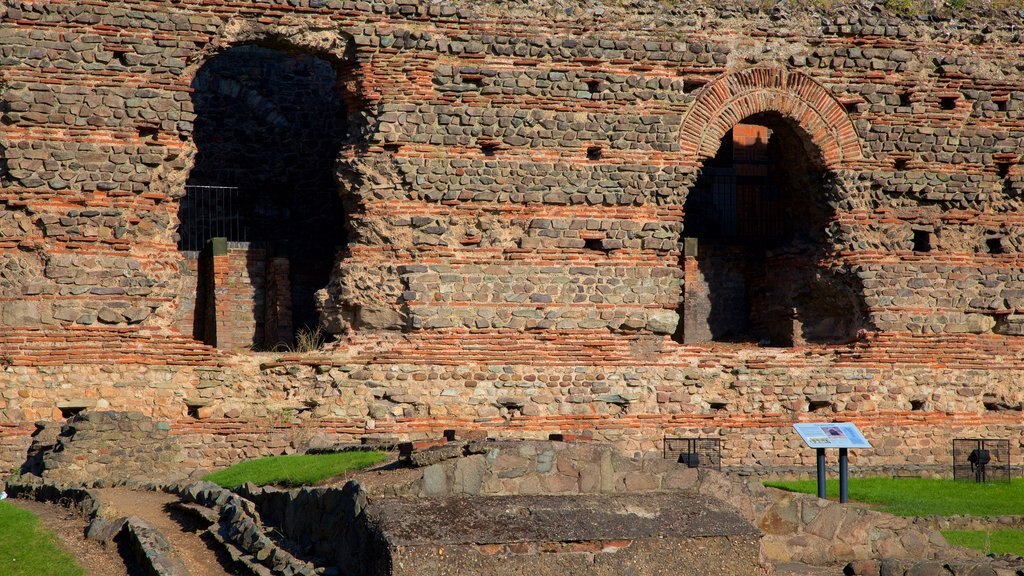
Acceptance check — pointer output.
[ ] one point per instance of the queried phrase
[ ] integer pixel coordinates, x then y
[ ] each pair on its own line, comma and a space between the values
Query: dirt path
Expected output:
69, 527
200, 553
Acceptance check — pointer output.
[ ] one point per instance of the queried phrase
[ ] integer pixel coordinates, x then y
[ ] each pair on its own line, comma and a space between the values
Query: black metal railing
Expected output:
695, 452
981, 460
211, 212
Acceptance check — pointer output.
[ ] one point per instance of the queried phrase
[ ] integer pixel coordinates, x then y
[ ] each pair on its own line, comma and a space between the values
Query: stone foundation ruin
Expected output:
624, 221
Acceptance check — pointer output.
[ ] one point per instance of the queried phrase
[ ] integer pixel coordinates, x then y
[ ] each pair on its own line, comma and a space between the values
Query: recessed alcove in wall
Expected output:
268, 129
4, 120
755, 226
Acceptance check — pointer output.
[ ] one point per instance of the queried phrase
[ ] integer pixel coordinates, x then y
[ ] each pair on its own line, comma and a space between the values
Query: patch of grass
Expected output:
923, 497
989, 542
295, 470
26, 549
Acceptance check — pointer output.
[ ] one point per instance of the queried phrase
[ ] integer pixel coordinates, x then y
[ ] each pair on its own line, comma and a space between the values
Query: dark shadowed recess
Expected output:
754, 232
269, 125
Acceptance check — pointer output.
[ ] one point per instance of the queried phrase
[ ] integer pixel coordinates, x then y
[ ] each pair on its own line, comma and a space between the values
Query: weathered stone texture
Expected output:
515, 180
105, 446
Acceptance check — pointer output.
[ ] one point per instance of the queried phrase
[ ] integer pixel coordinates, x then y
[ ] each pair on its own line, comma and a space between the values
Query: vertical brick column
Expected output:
218, 295
278, 328
191, 300
234, 296
696, 300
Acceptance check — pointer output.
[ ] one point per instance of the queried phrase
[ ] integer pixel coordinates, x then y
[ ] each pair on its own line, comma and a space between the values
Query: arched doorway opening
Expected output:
261, 221
754, 234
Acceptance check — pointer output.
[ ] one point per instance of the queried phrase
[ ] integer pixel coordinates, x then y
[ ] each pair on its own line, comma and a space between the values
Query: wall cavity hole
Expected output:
947, 102
489, 148
193, 411
818, 405
692, 85
718, 405
473, 80
70, 411
392, 148
905, 98
917, 405
851, 107
594, 153
1003, 169
594, 86
1002, 105
995, 245
900, 163
922, 241
593, 244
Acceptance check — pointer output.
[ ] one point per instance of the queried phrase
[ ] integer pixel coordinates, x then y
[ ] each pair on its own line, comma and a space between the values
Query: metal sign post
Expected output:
841, 435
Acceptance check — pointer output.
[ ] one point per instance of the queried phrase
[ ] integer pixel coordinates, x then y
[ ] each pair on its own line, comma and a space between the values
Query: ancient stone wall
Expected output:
515, 181
106, 446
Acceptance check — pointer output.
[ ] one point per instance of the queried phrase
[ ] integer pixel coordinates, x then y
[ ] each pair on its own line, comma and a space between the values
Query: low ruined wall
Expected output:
326, 523
268, 405
911, 395
796, 527
110, 447
497, 468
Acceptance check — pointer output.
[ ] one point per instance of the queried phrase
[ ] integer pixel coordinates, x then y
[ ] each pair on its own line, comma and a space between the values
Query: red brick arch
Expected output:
734, 96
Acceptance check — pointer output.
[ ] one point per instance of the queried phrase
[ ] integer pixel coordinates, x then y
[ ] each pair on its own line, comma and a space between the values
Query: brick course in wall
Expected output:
515, 178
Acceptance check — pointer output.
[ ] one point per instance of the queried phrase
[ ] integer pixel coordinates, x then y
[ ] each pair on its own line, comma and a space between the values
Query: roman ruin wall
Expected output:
623, 220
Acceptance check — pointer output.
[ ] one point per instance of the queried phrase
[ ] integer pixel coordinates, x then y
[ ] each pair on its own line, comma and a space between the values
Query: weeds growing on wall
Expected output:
915, 7
306, 340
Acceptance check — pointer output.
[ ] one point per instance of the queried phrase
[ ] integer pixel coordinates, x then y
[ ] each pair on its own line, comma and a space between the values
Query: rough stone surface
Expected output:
514, 186
111, 447
642, 533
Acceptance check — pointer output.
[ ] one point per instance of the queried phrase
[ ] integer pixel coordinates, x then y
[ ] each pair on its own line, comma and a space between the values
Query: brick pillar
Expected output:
696, 299
239, 281
217, 300
279, 323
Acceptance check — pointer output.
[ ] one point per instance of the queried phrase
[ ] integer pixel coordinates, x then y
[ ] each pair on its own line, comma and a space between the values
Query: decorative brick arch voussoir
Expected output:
735, 96
320, 38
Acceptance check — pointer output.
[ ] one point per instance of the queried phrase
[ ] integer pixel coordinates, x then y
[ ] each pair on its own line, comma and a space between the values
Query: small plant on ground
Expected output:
295, 470
307, 340
924, 497
28, 550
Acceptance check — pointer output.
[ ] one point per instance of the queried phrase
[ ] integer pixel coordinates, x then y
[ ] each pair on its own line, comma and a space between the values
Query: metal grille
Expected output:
731, 205
695, 452
981, 460
211, 212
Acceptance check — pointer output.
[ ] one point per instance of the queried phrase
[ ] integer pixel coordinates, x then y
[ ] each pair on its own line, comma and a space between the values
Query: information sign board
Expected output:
831, 435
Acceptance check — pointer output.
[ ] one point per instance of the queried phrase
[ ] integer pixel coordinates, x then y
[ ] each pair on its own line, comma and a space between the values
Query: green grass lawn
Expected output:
989, 542
27, 549
923, 497
295, 470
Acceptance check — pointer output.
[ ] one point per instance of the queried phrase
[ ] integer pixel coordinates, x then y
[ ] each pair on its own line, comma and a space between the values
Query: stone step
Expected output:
792, 569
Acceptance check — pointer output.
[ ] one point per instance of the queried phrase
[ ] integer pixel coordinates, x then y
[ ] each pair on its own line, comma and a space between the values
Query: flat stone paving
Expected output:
504, 519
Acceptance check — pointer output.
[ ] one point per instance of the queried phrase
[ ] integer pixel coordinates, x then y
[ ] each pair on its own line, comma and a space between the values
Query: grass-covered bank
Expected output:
988, 541
27, 549
924, 497
294, 470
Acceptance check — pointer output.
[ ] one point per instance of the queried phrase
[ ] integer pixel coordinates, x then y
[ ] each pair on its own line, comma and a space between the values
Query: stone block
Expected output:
21, 313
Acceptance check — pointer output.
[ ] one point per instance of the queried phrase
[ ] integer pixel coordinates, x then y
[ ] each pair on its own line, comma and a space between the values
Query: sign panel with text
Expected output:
831, 435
